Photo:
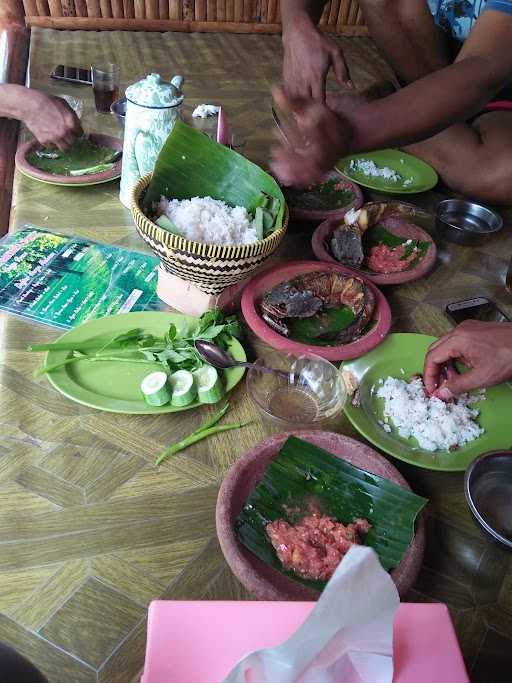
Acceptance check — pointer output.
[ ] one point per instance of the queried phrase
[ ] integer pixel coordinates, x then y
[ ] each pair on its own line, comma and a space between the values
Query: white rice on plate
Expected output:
434, 424
369, 168
203, 219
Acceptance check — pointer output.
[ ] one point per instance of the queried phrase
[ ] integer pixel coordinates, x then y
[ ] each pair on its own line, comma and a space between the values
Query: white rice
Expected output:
435, 425
369, 168
203, 219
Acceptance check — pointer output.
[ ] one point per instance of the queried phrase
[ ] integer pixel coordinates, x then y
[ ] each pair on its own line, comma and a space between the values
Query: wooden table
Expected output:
90, 530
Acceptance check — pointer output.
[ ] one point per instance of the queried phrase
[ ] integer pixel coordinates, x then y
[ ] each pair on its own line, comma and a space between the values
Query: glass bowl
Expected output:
307, 393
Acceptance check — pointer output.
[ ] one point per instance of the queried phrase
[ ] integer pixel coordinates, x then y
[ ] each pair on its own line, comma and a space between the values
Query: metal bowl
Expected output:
465, 222
118, 108
488, 489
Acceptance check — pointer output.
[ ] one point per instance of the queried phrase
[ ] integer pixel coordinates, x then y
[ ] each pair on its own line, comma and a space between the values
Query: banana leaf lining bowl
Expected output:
191, 165
266, 582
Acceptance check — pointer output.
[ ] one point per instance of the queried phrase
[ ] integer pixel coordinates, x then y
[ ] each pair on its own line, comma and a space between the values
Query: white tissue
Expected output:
205, 110
347, 637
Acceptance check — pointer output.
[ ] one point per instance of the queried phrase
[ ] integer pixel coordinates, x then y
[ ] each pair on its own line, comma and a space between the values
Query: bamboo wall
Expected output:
248, 16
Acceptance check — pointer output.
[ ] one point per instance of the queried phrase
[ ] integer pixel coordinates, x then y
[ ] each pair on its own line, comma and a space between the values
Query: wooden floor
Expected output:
90, 530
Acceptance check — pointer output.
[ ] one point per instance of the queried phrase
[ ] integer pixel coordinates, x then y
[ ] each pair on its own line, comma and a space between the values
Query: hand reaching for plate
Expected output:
484, 348
319, 138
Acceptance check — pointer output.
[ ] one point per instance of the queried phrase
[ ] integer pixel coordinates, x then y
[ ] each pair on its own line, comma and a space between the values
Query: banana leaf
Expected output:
302, 471
191, 165
83, 157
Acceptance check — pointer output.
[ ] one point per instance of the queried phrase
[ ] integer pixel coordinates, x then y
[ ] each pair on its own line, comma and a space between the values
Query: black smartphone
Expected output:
72, 74
478, 308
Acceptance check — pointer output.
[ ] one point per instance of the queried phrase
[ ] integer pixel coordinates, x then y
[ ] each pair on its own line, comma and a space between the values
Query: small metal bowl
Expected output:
488, 489
118, 108
465, 222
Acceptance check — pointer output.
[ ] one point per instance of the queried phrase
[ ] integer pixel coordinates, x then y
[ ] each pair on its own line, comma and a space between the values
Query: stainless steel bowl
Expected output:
465, 222
488, 489
118, 108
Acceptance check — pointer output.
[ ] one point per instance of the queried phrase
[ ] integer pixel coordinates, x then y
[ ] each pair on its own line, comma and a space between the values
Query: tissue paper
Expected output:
347, 637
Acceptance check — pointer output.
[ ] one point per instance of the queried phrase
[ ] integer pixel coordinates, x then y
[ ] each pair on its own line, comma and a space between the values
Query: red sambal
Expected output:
384, 259
315, 546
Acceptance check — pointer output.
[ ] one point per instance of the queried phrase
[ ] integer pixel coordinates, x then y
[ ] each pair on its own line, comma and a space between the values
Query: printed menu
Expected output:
65, 280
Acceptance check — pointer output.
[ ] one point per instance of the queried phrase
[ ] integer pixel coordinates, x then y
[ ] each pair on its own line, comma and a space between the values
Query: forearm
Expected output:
13, 101
293, 11
425, 107
405, 33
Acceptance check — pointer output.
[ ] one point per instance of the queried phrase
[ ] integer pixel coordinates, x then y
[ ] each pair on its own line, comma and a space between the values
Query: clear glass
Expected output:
105, 85
309, 394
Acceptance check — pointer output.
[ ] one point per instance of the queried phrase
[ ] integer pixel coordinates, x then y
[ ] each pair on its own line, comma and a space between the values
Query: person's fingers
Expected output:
339, 67
438, 355
460, 384
318, 87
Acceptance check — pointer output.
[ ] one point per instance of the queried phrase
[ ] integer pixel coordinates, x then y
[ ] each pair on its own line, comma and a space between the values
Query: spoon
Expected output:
220, 359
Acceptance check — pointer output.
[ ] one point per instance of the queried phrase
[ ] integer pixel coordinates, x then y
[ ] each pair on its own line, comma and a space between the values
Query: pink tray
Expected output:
200, 642
255, 289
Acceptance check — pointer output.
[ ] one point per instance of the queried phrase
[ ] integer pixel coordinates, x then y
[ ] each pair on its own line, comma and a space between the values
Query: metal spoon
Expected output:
220, 359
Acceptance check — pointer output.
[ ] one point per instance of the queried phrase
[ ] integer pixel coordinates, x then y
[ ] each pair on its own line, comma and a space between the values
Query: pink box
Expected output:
200, 642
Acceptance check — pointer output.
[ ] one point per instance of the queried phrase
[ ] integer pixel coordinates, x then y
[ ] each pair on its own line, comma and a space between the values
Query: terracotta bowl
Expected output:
264, 582
27, 169
257, 287
396, 226
323, 214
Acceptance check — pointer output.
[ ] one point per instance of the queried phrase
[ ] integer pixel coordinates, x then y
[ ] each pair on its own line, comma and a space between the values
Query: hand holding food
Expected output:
308, 57
317, 141
485, 348
50, 119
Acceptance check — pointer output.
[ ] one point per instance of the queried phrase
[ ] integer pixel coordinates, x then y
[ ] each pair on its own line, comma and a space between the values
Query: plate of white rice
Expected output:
392, 410
389, 170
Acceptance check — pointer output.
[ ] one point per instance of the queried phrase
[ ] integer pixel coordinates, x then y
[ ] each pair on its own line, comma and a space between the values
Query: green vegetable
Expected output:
155, 389
258, 222
183, 388
209, 385
175, 351
99, 168
192, 165
302, 471
166, 223
203, 432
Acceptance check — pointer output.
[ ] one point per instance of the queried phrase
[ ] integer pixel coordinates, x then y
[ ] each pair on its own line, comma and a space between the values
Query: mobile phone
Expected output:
478, 308
72, 74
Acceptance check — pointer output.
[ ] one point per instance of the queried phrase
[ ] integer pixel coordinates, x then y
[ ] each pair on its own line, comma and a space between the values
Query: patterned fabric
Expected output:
457, 17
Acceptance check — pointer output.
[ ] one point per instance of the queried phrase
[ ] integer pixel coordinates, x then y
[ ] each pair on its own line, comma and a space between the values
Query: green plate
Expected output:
423, 176
407, 352
115, 387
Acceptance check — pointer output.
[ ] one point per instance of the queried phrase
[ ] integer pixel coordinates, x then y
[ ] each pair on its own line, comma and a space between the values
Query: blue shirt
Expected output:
457, 17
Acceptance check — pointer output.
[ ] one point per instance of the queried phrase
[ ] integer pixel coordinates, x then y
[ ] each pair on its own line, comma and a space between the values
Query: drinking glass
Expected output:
105, 85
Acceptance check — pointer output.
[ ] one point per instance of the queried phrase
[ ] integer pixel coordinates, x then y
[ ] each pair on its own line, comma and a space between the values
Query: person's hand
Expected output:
484, 348
316, 142
51, 120
308, 56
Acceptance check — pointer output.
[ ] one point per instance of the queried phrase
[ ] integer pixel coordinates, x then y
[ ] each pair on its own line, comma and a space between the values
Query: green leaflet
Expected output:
302, 470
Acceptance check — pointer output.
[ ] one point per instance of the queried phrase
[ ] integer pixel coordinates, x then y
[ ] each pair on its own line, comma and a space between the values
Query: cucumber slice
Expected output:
274, 207
209, 385
155, 389
258, 222
183, 388
166, 223
268, 221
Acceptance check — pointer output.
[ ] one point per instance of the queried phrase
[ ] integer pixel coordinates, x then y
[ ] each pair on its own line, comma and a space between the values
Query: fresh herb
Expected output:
209, 428
379, 235
174, 351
